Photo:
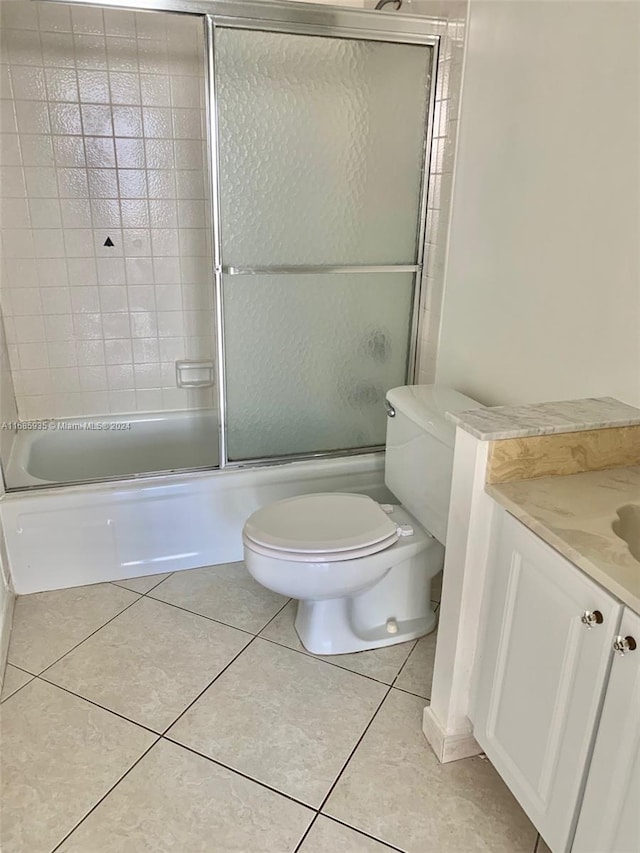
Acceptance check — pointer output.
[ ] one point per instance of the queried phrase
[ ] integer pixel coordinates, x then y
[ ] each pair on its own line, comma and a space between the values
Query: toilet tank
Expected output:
419, 451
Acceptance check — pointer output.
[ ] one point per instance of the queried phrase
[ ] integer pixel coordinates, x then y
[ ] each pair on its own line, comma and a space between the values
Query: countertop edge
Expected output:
494, 423
460, 420
575, 557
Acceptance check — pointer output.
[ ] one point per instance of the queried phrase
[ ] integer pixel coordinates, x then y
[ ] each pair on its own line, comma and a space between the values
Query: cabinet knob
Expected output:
624, 644
591, 618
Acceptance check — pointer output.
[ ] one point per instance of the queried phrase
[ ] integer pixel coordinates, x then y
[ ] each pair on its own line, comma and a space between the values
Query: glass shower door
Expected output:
321, 146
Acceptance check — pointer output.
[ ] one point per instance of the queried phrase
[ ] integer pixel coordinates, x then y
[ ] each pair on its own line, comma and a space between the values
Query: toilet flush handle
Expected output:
391, 412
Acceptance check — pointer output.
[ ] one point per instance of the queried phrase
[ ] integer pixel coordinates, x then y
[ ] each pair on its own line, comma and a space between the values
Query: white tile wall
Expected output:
102, 135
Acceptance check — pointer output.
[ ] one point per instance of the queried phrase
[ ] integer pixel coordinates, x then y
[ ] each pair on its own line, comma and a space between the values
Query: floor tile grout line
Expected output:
306, 832
162, 735
41, 677
331, 663
362, 832
411, 693
353, 751
98, 705
213, 680
241, 773
18, 689
393, 683
21, 668
84, 640
106, 794
275, 616
155, 586
129, 719
201, 615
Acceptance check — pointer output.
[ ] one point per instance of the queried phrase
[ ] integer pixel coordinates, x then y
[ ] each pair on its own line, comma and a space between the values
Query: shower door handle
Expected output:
320, 269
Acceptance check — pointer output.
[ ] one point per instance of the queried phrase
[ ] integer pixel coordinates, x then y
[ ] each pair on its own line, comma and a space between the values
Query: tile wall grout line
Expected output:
105, 795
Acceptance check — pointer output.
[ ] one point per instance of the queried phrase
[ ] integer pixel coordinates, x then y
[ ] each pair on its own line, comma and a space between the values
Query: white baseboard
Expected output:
448, 747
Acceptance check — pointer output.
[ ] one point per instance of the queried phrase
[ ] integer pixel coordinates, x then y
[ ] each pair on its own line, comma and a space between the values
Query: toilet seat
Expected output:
325, 527
320, 557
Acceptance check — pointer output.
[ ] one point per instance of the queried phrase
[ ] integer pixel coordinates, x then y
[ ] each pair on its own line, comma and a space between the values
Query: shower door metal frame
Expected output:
297, 19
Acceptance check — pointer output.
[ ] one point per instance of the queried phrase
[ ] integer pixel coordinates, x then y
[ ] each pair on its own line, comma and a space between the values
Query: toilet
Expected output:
360, 570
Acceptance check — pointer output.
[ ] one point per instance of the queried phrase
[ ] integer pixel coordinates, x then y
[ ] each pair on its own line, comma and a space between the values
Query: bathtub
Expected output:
76, 449
61, 536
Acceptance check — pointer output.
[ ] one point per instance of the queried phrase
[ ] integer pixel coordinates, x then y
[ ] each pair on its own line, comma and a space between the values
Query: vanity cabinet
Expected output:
609, 820
541, 672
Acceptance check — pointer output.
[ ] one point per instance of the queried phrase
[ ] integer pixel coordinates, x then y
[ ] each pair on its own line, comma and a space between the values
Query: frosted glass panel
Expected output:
309, 359
321, 148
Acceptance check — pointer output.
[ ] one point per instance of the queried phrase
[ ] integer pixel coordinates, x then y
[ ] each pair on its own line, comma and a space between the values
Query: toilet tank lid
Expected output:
427, 406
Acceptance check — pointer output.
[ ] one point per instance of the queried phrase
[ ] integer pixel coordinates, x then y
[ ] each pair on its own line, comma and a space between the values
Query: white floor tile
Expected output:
176, 802
227, 593
149, 662
46, 625
327, 836
283, 718
60, 755
394, 789
417, 673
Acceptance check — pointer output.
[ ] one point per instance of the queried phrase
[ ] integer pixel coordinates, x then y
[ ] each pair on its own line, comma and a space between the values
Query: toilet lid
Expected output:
321, 524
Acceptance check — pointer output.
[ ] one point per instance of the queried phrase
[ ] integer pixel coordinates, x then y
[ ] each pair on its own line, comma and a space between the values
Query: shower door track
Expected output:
297, 19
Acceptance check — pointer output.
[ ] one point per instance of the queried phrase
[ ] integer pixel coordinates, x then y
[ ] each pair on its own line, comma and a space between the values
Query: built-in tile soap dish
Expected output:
194, 374
627, 527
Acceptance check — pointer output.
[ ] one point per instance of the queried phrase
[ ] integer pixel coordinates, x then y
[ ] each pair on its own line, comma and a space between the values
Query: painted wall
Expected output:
542, 293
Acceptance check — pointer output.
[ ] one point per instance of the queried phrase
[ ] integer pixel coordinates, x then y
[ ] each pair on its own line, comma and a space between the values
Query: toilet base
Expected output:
401, 600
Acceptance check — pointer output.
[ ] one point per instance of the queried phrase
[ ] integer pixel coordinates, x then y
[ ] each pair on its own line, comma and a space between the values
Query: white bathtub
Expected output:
76, 449
81, 534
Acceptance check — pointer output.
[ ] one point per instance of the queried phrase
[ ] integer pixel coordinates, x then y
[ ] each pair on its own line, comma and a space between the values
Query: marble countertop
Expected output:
574, 515
498, 422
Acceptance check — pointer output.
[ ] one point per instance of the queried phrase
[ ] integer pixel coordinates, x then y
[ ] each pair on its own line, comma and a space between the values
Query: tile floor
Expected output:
181, 713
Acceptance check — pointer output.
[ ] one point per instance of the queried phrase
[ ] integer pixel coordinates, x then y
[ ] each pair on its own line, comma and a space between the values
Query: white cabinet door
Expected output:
541, 675
609, 820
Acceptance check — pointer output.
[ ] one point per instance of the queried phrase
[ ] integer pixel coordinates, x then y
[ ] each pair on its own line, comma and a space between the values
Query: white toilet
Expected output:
362, 571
